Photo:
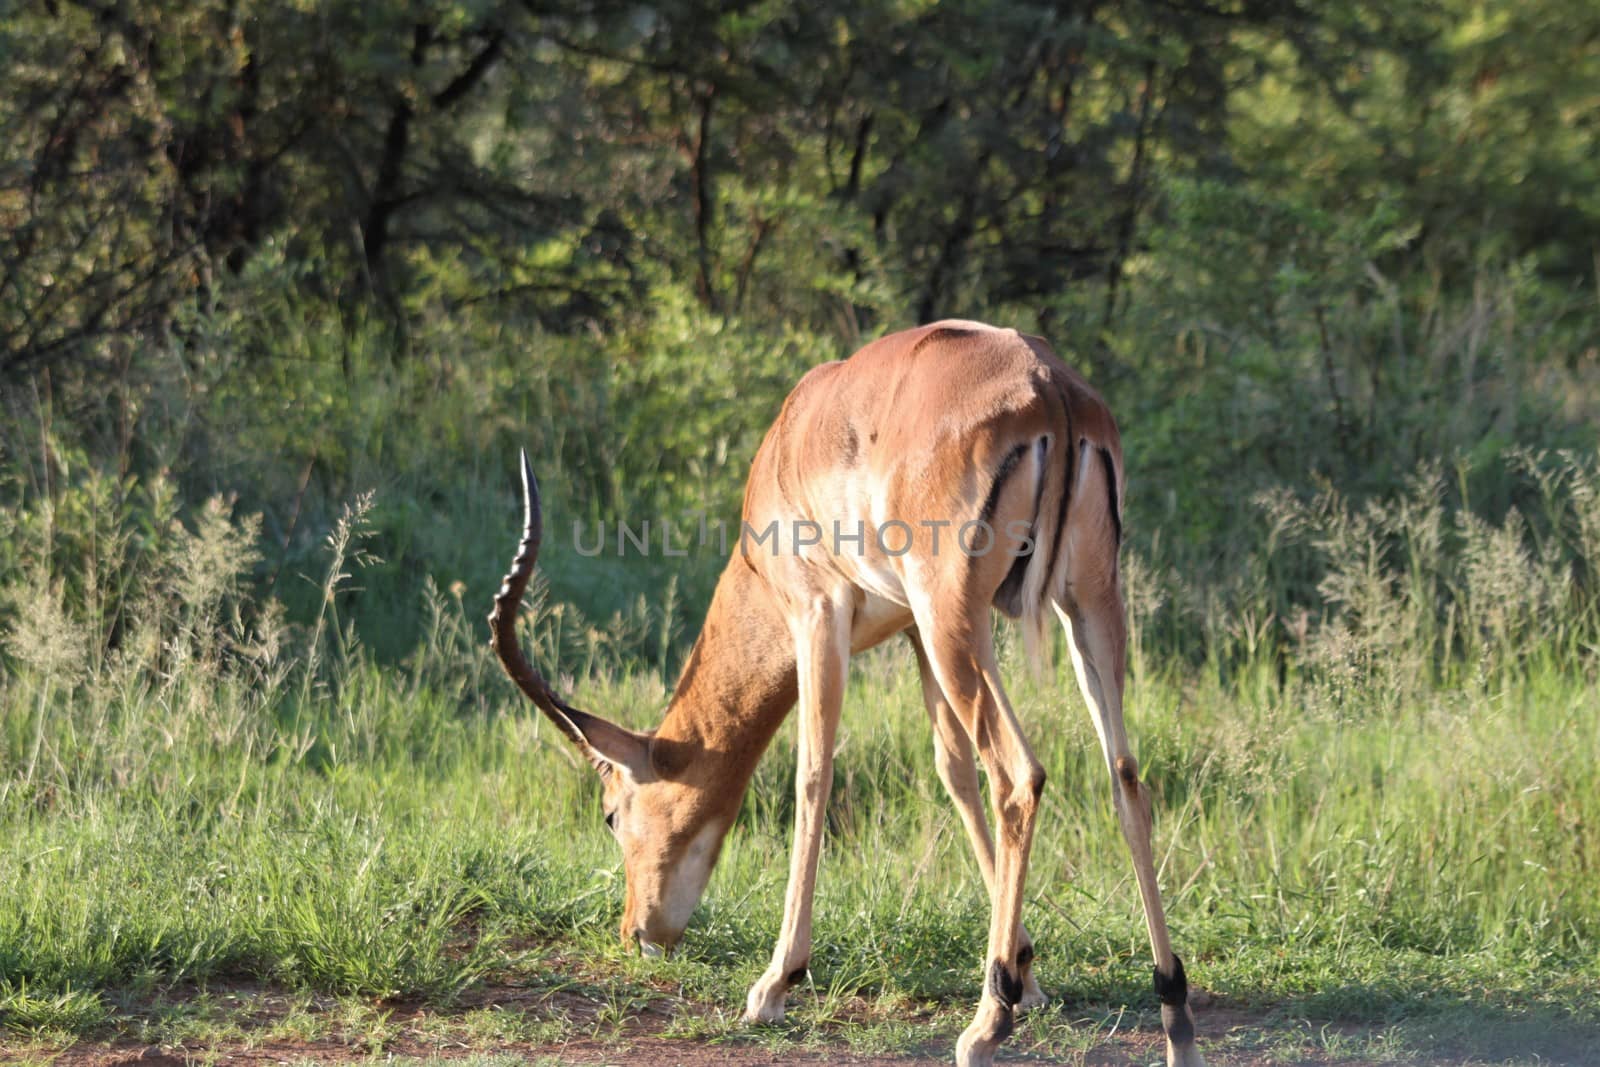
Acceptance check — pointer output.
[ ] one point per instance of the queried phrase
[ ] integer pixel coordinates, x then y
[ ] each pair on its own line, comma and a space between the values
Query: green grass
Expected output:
1377, 827
393, 833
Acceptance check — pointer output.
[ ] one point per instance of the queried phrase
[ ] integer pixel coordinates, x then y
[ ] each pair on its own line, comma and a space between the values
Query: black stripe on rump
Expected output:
1008, 598
1111, 490
1007, 465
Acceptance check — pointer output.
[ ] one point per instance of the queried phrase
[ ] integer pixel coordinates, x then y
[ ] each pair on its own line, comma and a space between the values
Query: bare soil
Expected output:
249, 1026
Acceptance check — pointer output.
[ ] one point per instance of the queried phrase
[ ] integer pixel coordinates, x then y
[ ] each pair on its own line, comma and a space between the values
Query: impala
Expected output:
920, 433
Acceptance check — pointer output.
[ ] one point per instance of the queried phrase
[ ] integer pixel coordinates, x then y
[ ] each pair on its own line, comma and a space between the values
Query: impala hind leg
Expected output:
1097, 637
822, 638
958, 770
960, 652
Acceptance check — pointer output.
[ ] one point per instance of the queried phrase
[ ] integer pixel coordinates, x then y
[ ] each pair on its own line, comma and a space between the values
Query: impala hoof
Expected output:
766, 1000
1178, 1021
1032, 996
971, 1053
978, 1042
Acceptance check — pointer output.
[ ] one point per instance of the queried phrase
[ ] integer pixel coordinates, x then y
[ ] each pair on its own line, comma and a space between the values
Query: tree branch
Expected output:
468, 79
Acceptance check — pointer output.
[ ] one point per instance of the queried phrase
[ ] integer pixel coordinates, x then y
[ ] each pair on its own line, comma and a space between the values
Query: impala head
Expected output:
669, 829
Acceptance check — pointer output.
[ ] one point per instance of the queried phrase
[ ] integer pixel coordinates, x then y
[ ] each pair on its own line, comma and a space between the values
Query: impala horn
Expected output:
503, 621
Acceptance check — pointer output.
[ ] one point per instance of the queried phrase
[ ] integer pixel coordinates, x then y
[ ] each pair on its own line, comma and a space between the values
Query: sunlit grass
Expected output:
1376, 816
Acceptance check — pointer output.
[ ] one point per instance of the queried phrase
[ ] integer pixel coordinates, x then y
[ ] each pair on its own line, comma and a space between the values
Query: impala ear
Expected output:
607, 745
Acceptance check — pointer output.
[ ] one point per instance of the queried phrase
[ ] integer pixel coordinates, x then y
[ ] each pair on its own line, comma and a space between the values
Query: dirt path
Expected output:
256, 1027
645, 1051
1135, 1049
1123, 1050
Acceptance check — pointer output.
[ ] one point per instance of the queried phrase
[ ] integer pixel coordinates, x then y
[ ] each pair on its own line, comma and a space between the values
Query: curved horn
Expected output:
503, 619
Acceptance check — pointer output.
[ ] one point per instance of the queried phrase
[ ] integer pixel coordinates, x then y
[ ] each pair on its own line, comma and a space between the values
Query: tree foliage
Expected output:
826, 164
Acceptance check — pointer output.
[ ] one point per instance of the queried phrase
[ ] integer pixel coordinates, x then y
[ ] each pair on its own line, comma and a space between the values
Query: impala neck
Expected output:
735, 691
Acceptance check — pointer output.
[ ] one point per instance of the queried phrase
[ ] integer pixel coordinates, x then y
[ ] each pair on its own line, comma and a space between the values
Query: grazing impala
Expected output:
945, 430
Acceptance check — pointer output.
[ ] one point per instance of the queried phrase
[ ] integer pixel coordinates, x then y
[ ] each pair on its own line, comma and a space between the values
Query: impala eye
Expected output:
611, 821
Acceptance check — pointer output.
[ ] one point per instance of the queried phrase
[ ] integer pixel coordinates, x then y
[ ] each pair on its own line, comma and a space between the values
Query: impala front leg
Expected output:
822, 638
